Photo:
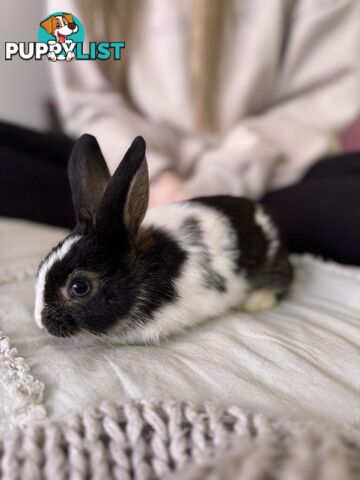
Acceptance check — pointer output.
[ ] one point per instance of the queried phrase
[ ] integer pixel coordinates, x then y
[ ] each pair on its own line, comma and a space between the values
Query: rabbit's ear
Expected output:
89, 177
127, 196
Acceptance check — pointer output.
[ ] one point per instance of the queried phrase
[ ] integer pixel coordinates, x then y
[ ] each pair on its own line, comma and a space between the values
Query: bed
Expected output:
294, 369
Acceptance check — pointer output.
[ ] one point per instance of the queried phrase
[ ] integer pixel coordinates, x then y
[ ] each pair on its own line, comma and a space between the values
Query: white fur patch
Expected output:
55, 256
264, 221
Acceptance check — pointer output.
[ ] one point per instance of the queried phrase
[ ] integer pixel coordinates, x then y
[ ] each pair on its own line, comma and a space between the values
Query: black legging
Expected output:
33, 176
320, 214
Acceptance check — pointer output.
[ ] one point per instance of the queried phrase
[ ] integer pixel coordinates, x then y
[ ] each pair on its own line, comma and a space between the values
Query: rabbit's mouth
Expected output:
61, 330
58, 325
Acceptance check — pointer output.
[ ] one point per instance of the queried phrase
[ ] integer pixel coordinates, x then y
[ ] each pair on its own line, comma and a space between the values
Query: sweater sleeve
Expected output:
317, 94
89, 104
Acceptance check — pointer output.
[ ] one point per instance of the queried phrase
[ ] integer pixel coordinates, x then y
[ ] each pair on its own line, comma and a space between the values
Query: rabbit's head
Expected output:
89, 280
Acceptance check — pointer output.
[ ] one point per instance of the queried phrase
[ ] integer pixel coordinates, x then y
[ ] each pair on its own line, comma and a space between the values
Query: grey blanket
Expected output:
176, 440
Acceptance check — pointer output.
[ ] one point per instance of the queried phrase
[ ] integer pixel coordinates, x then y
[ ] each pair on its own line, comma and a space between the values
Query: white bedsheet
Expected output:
300, 359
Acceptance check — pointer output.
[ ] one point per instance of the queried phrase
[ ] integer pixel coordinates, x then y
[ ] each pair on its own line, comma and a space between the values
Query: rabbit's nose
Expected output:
72, 26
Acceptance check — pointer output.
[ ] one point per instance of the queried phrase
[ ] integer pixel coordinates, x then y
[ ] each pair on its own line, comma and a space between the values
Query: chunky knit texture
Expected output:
173, 440
25, 393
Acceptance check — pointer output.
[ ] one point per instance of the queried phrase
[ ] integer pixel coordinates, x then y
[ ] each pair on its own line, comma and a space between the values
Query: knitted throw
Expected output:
173, 440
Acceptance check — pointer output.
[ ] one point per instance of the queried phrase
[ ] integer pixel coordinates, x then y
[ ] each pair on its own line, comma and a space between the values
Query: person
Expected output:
233, 97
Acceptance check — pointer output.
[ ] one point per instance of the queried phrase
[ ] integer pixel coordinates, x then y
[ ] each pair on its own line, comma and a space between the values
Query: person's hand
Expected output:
166, 189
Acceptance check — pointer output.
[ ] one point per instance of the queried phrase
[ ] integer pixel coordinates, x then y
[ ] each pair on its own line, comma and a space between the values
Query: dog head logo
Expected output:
61, 31
60, 26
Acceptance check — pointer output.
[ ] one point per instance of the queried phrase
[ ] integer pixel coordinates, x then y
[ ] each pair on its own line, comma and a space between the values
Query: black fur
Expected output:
252, 243
89, 177
211, 279
160, 261
111, 219
127, 288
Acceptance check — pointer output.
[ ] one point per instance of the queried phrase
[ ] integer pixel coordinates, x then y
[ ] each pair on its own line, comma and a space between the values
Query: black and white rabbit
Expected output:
142, 275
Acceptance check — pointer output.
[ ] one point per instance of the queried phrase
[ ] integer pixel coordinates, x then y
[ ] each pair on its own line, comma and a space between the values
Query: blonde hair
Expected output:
117, 19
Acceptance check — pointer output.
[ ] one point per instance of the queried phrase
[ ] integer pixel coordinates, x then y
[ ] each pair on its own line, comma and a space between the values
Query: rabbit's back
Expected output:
231, 247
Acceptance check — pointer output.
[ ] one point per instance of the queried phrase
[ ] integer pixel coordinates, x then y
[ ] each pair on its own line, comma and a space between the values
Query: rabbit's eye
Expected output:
79, 288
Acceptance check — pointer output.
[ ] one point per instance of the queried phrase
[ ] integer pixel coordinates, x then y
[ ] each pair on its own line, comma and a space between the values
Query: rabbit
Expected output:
143, 275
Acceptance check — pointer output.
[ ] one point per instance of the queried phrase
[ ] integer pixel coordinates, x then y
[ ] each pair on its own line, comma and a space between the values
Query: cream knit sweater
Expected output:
289, 83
